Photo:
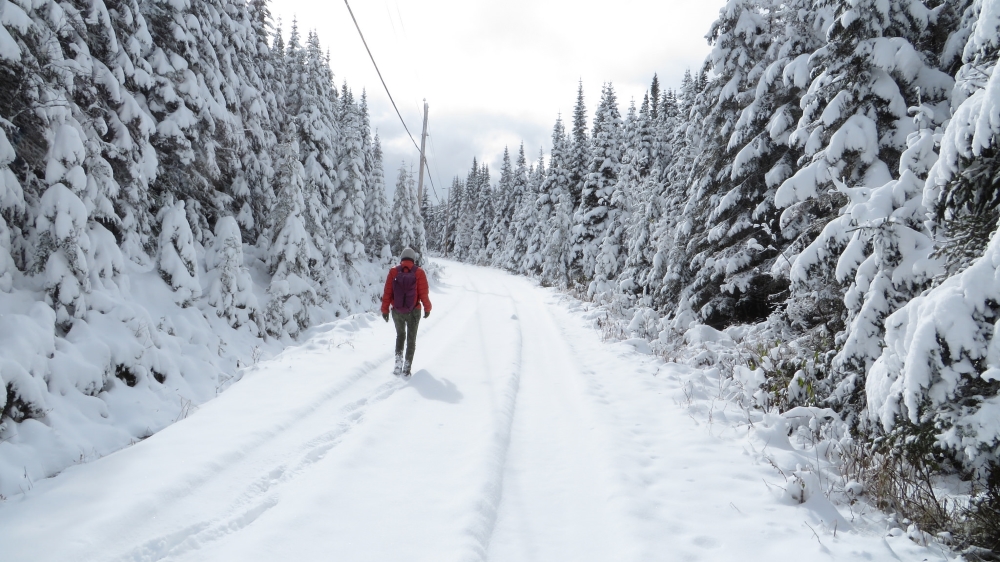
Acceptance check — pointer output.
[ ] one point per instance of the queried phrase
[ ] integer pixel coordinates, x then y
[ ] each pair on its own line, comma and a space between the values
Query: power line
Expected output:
379, 72
358, 27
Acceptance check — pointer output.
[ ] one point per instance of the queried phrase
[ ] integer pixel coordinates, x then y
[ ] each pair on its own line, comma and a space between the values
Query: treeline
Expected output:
830, 177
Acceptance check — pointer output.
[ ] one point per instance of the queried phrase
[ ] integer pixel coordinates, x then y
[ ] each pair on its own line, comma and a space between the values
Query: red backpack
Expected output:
404, 290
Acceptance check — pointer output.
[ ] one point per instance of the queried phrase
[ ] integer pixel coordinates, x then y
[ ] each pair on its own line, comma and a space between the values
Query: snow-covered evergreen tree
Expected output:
676, 154
886, 262
406, 226
482, 218
312, 104
547, 253
938, 380
63, 243
351, 174
556, 261
466, 216
291, 253
854, 126
596, 208
230, 288
248, 84
726, 237
610, 258
456, 201
503, 199
377, 210
644, 178
518, 256
198, 136
178, 260
578, 157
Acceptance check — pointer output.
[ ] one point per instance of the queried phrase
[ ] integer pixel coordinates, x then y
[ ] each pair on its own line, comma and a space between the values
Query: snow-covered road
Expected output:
519, 437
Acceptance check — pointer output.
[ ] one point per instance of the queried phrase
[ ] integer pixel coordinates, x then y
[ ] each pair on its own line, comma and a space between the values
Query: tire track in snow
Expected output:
481, 530
561, 479
261, 495
629, 465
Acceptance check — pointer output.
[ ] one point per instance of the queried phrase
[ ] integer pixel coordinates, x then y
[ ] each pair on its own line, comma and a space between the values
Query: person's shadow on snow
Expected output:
429, 387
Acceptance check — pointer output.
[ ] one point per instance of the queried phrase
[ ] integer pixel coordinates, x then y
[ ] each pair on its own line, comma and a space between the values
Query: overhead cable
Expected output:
379, 72
358, 27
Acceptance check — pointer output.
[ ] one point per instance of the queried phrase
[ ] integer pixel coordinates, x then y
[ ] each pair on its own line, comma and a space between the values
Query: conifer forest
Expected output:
184, 187
824, 190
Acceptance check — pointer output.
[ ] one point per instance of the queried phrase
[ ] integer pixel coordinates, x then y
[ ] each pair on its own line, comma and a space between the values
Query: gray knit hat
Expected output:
408, 254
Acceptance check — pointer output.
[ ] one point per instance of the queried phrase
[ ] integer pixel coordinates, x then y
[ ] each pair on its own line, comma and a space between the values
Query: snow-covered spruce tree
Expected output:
247, 86
966, 208
106, 44
590, 222
739, 39
312, 105
642, 155
377, 210
854, 126
21, 146
465, 219
63, 242
292, 254
556, 268
177, 260
519, 255
680, 138
406, 227
261, 110
351, 174
70, 117
503, 210
886, 262
430, 221
198, 133
578, 156
935, 390
547, 254
759, 54
473, 192
522, 178
636, 277
635, 160
230, 288
437, 240
483, 218
456, 199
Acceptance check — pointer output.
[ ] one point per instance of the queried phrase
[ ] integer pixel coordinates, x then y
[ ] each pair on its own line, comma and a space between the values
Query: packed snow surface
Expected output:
521, 436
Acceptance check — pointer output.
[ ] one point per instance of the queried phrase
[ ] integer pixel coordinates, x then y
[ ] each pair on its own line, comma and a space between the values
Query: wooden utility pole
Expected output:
423, 142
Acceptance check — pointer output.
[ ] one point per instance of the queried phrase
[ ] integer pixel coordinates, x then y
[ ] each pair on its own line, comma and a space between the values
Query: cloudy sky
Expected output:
495, 73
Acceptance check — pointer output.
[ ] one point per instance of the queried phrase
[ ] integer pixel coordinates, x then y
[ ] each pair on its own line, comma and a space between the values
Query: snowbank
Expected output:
135, 362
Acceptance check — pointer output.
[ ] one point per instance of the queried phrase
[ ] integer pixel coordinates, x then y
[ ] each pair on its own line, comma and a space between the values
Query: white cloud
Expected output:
494, 73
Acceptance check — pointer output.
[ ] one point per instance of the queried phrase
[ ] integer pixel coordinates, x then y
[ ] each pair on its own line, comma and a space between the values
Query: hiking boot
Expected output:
398, 368
406, 369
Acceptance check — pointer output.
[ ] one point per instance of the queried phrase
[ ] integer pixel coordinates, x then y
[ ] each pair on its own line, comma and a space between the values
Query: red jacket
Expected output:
421, 287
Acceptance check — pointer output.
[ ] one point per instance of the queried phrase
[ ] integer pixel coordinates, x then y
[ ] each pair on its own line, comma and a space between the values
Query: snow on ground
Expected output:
519, 437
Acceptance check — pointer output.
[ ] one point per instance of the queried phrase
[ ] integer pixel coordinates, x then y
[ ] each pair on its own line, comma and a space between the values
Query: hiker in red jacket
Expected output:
405, 290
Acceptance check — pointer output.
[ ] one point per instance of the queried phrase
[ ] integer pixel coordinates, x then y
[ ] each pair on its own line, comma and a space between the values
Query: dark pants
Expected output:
406, 331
